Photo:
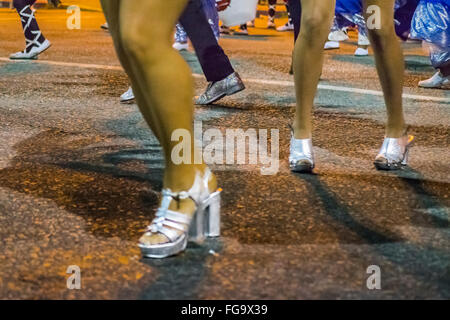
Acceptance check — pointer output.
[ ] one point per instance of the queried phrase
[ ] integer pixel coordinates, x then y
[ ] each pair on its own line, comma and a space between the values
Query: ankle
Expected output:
181, 178
396, 132
301, 132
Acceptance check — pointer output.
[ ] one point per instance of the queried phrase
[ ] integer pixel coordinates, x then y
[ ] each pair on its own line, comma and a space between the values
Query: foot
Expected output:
251, 24
286, 27
180, 218
363, 40
31, 54
361, 52
128, 96
301, 158
329, 45
338, 35
219, 89
394, 152
180, 46
436, 81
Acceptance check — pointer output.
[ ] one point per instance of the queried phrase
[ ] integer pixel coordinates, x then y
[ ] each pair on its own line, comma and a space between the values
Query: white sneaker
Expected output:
251, 24
105, 26
436, 81
331, 45
180, 46
33, 53
128, 96
338, 35
361, 52
286, 27
363, 40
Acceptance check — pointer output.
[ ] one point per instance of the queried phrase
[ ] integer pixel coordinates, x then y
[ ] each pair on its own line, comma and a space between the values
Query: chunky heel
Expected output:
212, 215
179, 228
405, 159
196, 229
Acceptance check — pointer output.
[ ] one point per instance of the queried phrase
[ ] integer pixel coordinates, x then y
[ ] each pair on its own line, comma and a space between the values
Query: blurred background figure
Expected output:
35, 42
431, 23
181, 37
348, 13
288, 26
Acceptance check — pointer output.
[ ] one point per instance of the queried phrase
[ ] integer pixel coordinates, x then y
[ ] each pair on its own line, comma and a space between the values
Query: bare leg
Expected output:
390, 66
162, 83
308, 60
111, 9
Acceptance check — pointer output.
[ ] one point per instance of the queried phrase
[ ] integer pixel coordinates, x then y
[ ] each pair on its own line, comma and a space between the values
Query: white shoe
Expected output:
105, 26
331, 45
361, 52
363, 40
180, 46
271, 25
33, 53
338, 35
436, 81
286, 27
128, 96
251, 24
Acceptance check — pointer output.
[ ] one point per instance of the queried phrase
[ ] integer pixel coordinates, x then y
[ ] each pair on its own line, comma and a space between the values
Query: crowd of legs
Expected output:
162, 85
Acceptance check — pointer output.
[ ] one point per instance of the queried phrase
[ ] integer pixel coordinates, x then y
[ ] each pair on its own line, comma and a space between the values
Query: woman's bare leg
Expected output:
162, 83
317, 16
111, 9
390, 66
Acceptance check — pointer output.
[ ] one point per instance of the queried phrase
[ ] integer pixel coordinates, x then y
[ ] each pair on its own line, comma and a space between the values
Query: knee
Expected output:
315, 26
133, 41
139, 43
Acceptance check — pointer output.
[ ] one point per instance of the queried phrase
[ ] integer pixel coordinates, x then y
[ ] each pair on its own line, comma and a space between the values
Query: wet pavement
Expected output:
80, 176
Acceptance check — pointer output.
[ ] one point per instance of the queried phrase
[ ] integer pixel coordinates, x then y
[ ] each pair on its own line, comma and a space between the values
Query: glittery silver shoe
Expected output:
301, 158
179, 228
219, 89
394, 152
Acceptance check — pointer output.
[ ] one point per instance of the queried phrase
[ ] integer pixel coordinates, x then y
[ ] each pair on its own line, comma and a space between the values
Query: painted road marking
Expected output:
248, 80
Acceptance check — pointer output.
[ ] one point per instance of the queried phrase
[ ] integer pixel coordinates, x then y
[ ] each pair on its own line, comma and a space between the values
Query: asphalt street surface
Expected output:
80, 176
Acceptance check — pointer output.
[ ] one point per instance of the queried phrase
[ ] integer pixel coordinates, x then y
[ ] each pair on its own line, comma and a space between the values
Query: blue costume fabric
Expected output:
431, 23
350, 12
209, 6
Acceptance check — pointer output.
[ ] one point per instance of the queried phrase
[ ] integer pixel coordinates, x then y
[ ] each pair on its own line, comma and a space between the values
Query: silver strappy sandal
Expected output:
179, 228
394, 153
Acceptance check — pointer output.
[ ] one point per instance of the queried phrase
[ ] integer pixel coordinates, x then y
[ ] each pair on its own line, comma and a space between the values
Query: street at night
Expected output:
81, 175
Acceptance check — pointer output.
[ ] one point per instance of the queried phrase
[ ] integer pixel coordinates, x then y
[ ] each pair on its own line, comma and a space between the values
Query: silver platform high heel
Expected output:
301, 158
394, 153
180, 228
